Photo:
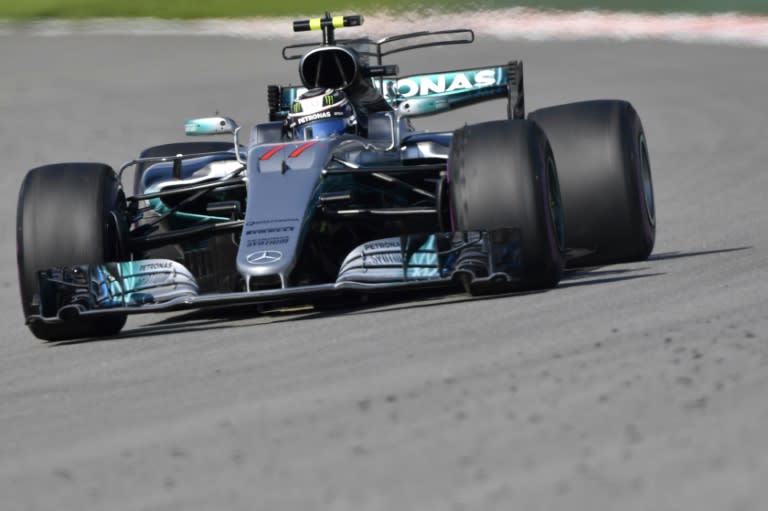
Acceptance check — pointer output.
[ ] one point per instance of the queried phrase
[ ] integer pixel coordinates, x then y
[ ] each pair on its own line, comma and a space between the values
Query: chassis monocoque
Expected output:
497, 206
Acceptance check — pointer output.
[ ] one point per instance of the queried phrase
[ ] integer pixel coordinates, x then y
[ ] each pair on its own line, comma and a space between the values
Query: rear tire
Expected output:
69, 214
605, 179
503, 179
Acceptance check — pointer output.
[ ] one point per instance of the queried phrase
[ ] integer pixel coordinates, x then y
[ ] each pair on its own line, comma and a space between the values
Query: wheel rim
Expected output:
647, 183
555, 203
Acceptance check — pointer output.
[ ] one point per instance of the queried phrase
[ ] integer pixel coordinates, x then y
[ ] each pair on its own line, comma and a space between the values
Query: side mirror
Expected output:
210, 126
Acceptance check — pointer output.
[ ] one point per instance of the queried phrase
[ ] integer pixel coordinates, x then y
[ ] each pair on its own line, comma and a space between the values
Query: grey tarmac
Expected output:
633, 387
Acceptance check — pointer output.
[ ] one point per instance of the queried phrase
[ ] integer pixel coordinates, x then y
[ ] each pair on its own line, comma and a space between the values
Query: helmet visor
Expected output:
320, 129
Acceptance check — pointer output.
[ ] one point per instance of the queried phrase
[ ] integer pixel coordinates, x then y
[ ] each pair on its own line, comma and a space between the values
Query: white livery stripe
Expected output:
534, 24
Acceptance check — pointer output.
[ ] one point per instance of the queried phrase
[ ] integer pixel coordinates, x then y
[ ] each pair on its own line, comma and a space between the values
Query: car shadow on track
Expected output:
224, 317
679, 255
251, 316
592, 277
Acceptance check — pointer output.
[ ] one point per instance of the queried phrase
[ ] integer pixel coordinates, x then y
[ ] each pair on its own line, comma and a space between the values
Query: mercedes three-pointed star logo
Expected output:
264, 257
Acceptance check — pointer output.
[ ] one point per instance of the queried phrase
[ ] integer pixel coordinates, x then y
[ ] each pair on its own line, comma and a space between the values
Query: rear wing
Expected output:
432, 93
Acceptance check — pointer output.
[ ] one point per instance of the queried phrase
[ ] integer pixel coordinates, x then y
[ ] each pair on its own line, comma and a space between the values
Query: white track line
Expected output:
516, 23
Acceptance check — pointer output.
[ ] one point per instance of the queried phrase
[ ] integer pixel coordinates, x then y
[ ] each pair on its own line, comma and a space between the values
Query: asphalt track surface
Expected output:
634, 387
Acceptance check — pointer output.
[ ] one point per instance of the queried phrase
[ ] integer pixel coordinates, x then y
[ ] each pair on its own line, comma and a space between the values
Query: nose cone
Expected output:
283, 182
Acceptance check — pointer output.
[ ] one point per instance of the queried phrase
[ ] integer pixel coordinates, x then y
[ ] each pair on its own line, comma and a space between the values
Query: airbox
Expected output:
329, 67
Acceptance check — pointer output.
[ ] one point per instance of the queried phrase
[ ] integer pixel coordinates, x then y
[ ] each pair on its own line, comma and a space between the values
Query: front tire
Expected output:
69, 214
503, 180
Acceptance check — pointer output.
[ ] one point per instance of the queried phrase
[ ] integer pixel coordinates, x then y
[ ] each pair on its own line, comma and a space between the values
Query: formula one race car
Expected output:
337, 195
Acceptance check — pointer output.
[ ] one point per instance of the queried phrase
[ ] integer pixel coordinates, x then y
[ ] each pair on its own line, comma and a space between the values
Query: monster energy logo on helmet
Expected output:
318, 104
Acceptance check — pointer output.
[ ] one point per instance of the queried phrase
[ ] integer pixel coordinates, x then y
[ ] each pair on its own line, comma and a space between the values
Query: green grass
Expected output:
187, 9
30, 9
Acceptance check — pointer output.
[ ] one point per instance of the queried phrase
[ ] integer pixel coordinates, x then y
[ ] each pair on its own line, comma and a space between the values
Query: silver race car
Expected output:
338, 195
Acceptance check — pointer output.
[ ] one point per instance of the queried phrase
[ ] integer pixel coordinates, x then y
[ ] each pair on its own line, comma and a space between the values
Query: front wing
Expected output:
380, 266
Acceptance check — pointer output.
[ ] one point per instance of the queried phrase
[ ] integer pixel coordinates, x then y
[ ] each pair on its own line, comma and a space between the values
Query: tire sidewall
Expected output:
636, 155
552, 252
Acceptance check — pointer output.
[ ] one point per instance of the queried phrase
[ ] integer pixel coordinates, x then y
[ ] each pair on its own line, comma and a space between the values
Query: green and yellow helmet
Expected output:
321, 113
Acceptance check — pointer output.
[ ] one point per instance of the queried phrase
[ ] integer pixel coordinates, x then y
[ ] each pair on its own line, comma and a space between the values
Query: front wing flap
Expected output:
387, 265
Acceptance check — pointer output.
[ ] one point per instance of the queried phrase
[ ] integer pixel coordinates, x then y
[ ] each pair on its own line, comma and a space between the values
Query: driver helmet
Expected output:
321, 113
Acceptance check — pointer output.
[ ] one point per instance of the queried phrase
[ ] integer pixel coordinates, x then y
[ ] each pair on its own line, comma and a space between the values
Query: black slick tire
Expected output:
605, 179
68, 214
503, 178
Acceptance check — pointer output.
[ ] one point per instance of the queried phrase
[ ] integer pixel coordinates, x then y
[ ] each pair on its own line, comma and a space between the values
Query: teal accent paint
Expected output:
432, 93
424, 263
160, 207
209, 126
444, 84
